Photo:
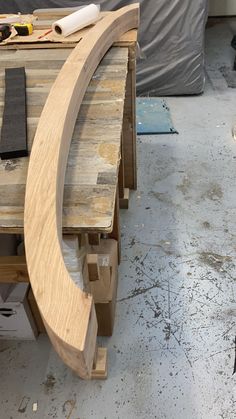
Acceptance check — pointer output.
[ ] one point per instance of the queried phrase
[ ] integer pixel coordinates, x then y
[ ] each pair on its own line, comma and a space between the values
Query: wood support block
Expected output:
104, 291
99, 371
124, 202
115, 234
94, 239
129, 127
35, 312
121, 176
13, 269
93, 268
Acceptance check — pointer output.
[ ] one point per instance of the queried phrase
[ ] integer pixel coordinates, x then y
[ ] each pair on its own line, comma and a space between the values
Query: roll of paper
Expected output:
77, 20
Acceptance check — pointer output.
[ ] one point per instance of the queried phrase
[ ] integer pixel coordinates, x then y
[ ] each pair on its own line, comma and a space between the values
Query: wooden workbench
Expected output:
101, 166
92, 169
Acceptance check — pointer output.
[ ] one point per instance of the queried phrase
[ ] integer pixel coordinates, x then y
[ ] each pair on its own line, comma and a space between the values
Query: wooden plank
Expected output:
35, 312
61, 303
115, 233
99, 371
93, 268
56, 12
35, 78
44, 22
121, 176
124, 202
47, 16
41, 36
125, 41
129, 126
13, 142
94, 239
35, 102
13, 269
91, 174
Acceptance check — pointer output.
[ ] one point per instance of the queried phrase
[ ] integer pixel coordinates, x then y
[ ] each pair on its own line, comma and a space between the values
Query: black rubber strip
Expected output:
13, 142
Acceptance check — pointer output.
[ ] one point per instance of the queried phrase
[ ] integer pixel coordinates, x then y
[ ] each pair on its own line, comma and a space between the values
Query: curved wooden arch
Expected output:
68, 313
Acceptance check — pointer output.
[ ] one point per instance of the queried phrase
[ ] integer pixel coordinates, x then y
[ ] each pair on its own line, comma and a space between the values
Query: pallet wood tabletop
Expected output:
92, 167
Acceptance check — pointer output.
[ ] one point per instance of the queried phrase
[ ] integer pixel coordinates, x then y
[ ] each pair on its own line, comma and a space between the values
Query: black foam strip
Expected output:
13, 142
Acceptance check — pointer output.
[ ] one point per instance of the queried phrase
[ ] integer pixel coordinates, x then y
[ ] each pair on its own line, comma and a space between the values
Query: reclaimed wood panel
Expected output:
91, 176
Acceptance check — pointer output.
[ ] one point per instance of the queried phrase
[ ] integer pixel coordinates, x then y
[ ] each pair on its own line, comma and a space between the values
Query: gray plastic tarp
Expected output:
171, 37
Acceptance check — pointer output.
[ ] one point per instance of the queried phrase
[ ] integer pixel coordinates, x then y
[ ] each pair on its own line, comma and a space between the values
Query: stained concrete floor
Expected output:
172, 354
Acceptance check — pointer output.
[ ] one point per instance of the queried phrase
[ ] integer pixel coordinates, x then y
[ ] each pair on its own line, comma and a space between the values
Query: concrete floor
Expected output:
172, 354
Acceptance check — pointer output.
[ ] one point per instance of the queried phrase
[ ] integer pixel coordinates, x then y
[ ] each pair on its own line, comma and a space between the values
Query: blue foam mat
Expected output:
153, 116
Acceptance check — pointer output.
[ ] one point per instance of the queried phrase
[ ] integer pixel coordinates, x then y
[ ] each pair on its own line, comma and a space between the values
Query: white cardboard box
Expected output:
16, 321
5, 290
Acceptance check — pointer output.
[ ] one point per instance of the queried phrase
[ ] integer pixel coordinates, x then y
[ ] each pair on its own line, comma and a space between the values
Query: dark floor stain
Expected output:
161, 196
214, 193
234, 371
23, 404
184, 186
162, 245
206, 225
214, 260
138, 291
68, 408
229, 75
167, 331
132, 242
49, 383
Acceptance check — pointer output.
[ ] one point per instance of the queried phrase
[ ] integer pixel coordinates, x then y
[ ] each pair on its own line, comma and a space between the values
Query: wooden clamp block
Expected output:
93, 268
124, 201
94, 239
104, 290
35, 312
13, 269
99, 371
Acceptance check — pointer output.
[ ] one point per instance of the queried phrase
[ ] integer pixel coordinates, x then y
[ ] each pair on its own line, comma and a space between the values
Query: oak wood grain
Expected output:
68, 313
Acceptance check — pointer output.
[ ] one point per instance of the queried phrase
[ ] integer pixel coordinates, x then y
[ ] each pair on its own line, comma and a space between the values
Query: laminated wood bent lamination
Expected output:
67, 311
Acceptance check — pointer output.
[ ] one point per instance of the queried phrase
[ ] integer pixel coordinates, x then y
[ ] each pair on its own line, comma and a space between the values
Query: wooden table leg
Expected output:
129, 124
115, 234
123, 192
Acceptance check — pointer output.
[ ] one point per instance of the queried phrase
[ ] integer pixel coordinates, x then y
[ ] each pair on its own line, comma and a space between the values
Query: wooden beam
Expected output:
124, 202
56, 12
99, 371
93, 268
68, 313
13, 269
94, 239
115, 234
129, 124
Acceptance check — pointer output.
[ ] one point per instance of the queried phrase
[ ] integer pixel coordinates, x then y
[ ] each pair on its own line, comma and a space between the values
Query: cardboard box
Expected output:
5, 290
16, 321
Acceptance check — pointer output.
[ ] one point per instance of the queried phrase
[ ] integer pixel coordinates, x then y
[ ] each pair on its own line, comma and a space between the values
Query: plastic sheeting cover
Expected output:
171, 37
